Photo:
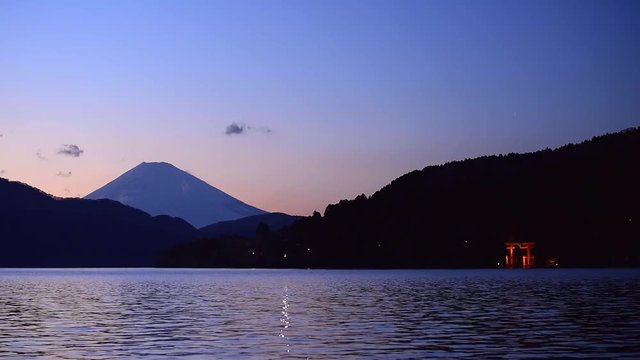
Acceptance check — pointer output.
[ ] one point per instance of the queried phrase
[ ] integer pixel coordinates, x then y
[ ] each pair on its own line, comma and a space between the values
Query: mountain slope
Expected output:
579, 203
246, 227
163, 189
37, 230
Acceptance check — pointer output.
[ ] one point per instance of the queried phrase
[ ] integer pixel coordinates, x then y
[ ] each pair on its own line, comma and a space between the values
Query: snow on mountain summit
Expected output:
160, 188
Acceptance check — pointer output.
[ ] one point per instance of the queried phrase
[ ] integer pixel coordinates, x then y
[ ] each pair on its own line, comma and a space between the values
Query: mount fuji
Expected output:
160, 188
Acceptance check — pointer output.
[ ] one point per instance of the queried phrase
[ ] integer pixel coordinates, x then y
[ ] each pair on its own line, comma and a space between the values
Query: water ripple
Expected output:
202, 314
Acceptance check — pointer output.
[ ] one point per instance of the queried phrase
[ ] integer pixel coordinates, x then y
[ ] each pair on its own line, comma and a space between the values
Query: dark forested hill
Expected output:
246, 227
38, 230
579, 203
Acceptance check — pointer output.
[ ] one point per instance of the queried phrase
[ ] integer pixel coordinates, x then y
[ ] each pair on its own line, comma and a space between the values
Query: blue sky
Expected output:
354, 93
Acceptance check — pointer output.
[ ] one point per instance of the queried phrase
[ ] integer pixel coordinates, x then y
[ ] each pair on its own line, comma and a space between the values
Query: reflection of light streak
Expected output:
285, 317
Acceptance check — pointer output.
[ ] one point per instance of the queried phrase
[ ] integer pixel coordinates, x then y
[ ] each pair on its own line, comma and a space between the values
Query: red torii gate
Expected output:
528, 260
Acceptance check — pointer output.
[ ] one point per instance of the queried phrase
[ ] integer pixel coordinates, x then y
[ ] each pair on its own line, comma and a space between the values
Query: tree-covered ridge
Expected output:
39, 230
580, 203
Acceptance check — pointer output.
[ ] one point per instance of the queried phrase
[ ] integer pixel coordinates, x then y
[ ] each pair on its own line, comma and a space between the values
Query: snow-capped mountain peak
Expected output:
160, 188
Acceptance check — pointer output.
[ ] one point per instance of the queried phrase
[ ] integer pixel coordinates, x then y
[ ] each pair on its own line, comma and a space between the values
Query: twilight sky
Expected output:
330, 99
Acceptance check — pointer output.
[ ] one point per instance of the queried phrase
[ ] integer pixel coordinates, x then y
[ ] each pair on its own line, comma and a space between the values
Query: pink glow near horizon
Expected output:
353, 95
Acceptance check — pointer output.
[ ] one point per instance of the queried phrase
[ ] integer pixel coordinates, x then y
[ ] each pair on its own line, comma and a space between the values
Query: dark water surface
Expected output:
118, 313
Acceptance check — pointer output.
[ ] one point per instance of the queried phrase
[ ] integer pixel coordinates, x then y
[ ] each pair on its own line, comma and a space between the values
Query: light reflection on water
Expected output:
117, 313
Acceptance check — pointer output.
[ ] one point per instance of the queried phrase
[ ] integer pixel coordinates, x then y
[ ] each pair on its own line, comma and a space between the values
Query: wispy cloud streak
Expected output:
40, 156
70, 150
63, 174
240, 128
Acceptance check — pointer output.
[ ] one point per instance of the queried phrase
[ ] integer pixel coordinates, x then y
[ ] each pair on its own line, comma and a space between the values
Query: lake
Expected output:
319, 314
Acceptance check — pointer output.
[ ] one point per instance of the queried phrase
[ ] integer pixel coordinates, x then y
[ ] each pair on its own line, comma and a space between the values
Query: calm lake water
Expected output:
118, 313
